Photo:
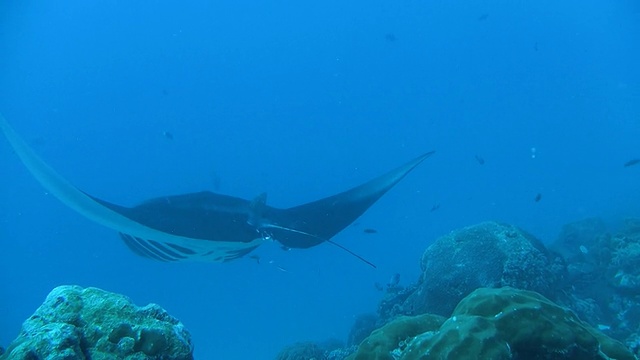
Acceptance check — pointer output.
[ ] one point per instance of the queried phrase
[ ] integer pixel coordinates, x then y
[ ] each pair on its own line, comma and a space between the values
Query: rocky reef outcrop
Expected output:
389, 341
90, 323
503, 323
328, 350
500, 293
603, 284
489, 254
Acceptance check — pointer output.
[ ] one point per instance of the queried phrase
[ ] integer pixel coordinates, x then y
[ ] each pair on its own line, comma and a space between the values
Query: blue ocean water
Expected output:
134, 100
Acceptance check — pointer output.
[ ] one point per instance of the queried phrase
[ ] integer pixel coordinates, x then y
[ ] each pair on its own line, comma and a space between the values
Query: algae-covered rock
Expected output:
327, 350
363, 326
495, 324
585, 246
624, 273
578, 239
394, 336
89, 323
489, 254
508, 323
301, 351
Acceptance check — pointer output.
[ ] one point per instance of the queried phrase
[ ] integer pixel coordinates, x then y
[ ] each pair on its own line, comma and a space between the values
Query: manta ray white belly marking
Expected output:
205, 226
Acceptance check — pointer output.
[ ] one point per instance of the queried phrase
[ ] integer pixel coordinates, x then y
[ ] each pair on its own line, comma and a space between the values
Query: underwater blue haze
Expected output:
131, 100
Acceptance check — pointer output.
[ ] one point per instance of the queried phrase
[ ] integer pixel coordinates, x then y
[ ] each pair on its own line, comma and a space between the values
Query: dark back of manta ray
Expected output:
310, 224
318, 221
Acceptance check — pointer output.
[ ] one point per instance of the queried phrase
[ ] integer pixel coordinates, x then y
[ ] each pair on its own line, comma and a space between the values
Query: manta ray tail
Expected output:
302, 234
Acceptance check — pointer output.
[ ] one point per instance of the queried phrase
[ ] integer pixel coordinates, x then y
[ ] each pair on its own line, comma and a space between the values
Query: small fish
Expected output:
435, 207
370, 231
535, 46
632, 162
483, 17
167, 135
393, 281
538, 197
479, 159
256, 258
390, 37
277, 266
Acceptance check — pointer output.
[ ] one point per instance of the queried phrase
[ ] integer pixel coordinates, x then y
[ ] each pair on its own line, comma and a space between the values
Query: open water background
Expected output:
303, 100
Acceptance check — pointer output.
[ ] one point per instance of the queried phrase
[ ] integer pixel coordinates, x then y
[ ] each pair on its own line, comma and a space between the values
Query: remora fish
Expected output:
206, 226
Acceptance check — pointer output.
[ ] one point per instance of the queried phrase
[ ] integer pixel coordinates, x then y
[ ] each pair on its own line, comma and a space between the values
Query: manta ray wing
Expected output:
203, 215
310, 224
125, 220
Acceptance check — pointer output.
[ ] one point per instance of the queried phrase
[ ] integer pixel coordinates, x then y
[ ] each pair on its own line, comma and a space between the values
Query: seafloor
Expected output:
494, 291
488, 291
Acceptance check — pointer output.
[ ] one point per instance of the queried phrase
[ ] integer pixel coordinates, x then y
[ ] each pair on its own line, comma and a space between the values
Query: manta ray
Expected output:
206, 226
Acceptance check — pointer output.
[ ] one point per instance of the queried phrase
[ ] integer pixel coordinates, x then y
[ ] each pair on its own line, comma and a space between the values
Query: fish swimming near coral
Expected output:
205, 226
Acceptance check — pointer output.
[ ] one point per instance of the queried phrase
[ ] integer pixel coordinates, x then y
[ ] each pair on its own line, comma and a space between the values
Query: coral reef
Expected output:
89, 323
489, 254
625, 247
362, 327
603, 285
508, 323
301, 351
392, 338
596, 258
328, 350
577, 239
395, 303
587, 269
585, 246
502, 323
